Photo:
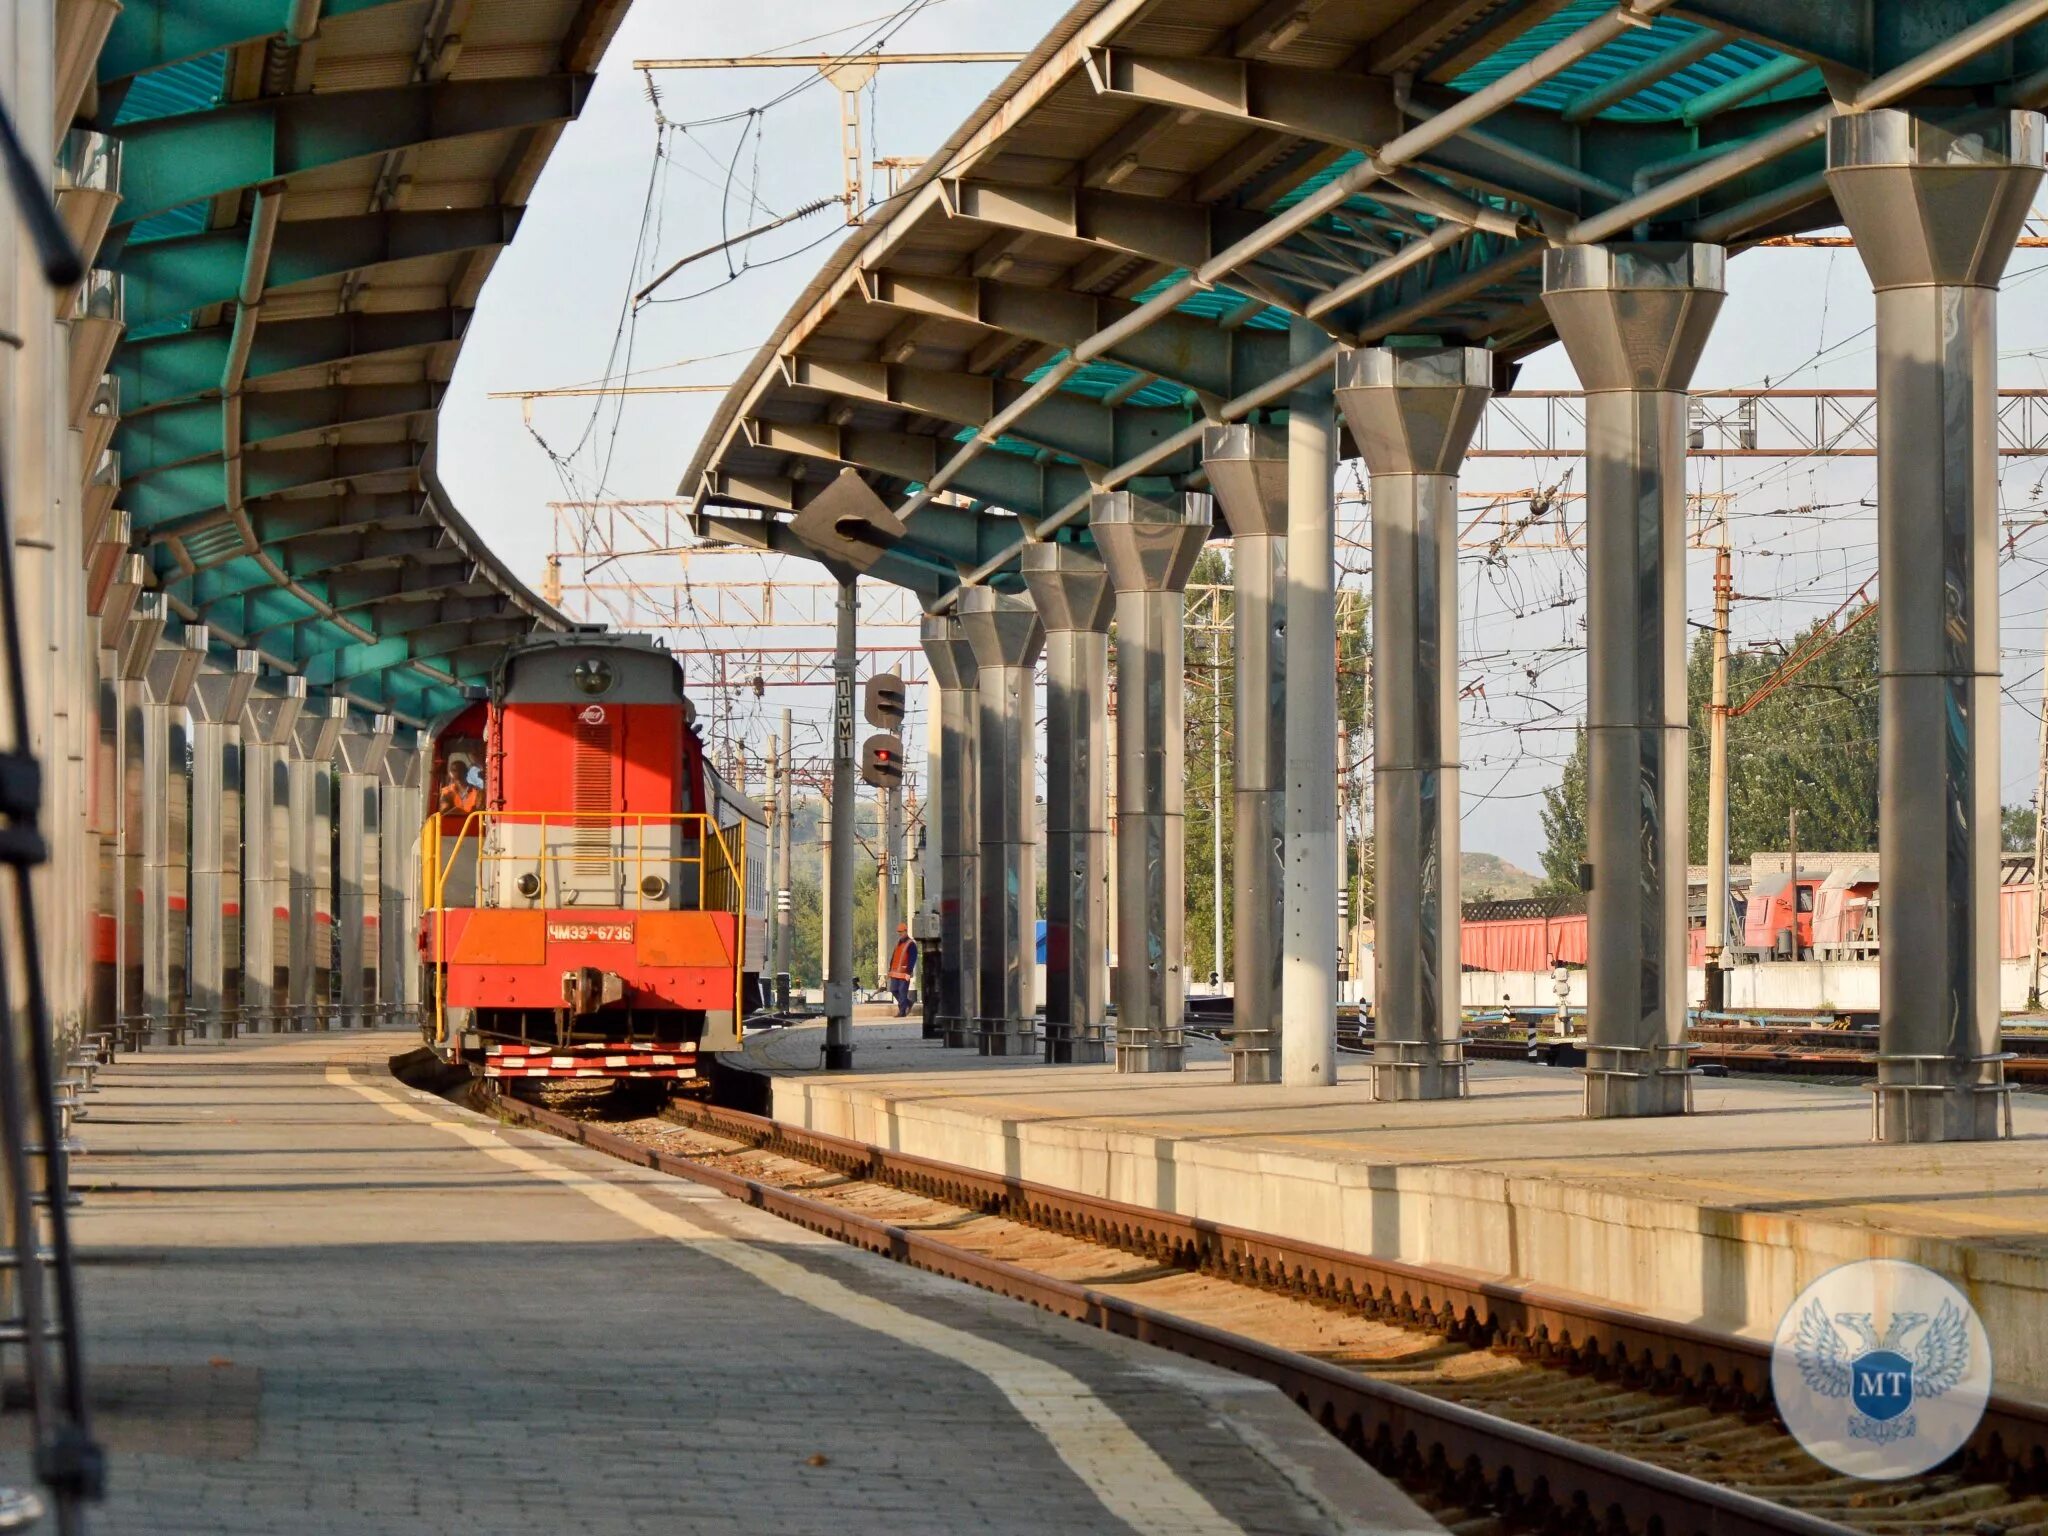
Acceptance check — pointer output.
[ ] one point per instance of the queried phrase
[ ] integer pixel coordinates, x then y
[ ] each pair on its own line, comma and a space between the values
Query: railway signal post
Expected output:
839, 871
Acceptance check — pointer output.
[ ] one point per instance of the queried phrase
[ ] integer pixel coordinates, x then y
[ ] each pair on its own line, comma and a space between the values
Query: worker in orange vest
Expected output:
902, 967
458, 796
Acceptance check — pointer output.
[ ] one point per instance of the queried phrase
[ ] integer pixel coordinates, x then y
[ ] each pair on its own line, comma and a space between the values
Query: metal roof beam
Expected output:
149, 34
184, 433
1173, 233
279, 520
167, 279
1180, 348
171, 161
1067, 424
1334, 106
928, 576
161, 501
162, 370
352, 587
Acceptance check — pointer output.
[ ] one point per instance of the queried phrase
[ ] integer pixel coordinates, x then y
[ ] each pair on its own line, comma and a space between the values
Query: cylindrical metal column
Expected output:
310, 851
1412, 413
951, 659
269, 722
1150, 545
1935, 211
166, 802
1247, 465
1633, 319
785, 834
357, 834
1308, 965
1006, 635
399, 818
1717, 791
218, 697
1071, 590
839, 865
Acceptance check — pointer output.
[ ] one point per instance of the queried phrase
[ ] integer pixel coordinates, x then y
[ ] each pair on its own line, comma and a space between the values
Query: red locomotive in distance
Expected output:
586, 908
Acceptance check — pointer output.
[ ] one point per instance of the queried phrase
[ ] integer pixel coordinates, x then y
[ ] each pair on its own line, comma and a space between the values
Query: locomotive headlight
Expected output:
593, 676
653, 887
528, 885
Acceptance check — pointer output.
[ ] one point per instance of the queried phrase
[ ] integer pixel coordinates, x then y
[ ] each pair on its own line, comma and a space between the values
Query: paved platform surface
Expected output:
319, 1302
1720, 1217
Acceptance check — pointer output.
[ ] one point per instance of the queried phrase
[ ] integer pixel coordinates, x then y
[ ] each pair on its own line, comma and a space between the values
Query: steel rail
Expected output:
1572, 1330
1529, 1471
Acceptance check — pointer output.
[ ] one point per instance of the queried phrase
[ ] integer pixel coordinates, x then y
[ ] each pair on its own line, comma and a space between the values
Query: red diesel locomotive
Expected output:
586, 909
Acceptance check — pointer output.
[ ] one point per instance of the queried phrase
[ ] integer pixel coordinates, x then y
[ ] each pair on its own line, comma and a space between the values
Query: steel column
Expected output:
1007, 636
1935, 210
951, 659
785, 834
166, 833
1247, 465
269, 721
1150, 545
400, 814
838, 935
1633, 319
1308, 976
1071, 590
219, 695
309, 780
358, 835
1412, 413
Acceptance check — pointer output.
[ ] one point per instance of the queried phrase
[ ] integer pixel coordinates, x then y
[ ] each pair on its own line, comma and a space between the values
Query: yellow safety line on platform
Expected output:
1125, 1474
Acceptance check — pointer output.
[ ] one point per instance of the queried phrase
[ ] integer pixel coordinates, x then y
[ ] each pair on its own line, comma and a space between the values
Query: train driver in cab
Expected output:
459, 796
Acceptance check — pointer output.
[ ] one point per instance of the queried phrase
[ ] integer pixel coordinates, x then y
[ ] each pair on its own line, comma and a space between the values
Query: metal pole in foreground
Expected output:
1007, 636
951, 659
2040, 844
1308, 974
1633, 319
1717, 789
839, 870
1935, 211
1247, 467
1150, 545
1072, 591
785, 836
1413, 413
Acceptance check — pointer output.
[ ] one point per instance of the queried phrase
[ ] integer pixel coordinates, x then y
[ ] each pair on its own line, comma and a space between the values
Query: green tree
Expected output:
2016, 829
1810, 745
1210, 715
1564, 824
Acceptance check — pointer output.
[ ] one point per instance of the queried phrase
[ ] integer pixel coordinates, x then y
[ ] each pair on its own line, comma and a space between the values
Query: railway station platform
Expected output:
1720, 1218
318, 1301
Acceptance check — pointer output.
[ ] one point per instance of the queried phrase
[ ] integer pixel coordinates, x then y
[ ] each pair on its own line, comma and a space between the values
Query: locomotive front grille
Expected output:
591, 848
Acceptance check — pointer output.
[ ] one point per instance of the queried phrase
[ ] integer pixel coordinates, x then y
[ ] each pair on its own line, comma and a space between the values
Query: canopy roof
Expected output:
1203, 175
313, 195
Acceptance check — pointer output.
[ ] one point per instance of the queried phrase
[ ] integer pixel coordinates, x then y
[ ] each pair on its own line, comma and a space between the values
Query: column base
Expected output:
1406, 1071
837, 1058
1007, 1037
1066, 1046
1254, 1056
958, 1034
1931, 1099
1637, 1081
1145, 1055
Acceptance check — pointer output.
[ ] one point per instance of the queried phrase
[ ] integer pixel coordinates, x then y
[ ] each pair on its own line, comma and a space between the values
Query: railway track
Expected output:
1501, 1408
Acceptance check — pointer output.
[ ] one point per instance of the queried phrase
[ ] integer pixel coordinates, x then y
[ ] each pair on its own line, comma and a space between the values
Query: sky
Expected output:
607, 215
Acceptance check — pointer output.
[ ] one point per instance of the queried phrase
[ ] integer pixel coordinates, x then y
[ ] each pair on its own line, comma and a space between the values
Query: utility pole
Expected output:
774, 848
1717, 788
785, 832
839, 881
2040, 849
1792, 836
1216, 816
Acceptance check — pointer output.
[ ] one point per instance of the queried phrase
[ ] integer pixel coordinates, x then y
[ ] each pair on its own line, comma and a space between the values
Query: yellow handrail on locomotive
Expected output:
728, 878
